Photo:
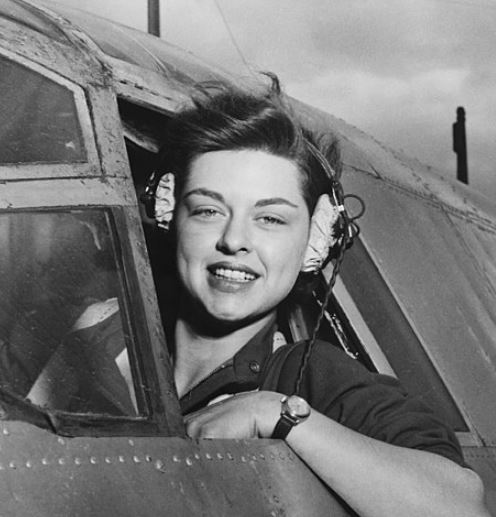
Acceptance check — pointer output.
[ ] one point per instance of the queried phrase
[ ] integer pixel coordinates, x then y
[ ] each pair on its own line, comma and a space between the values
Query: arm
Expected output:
373, 477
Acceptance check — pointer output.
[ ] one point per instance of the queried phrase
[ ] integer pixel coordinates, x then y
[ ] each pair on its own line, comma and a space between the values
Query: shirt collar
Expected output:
250, 360
241, 373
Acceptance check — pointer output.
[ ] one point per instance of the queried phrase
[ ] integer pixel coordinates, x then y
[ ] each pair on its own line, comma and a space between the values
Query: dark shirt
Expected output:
334, 384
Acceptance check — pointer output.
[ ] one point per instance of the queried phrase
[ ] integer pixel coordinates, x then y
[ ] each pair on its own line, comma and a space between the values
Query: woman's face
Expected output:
242, 230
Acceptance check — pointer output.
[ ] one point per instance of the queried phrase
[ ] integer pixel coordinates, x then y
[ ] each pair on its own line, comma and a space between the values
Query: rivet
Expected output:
189, 462
230, 456
28, 464
93, 460
208, 456
61, 461
272, 456
243, 459
197, 456
77, 461
12, 465
176, 459
131, 442
219, 456
262, 456
254, 458
61, 441
159, 464
5, 431
108, 460
136, 459
148, 458
121, 459
44, 461
254, 366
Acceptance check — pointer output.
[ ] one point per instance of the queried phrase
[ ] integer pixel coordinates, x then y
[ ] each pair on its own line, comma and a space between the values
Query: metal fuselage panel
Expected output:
46, 475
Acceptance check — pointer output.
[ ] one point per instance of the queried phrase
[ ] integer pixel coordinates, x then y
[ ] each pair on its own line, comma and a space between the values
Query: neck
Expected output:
198, 353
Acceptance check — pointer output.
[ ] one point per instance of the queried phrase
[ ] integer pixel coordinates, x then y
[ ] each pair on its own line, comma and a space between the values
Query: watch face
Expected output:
298, 407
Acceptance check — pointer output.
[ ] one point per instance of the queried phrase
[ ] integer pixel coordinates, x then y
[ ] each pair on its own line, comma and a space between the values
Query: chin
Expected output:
230, 316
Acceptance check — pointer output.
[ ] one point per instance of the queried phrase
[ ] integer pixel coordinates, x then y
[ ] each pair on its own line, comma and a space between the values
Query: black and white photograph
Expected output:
247, 258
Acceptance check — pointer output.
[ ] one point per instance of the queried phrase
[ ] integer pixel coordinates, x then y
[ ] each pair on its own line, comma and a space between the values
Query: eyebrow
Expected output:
275, 201
205, 192
219, 197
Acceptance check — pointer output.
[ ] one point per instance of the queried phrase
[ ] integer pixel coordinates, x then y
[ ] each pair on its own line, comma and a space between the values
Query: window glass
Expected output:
63, 337
394, 335
39, 118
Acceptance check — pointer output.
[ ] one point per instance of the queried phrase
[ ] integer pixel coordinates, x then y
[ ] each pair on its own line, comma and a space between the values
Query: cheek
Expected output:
188, 253
287, 258
191, 243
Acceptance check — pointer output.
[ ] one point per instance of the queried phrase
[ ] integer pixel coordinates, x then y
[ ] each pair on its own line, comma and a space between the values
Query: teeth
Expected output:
236, 276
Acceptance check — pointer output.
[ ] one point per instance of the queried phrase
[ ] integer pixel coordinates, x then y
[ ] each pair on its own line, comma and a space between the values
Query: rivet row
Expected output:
159, 464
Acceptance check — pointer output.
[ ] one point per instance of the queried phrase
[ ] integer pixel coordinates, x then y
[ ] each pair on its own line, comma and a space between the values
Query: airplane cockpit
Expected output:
87, 295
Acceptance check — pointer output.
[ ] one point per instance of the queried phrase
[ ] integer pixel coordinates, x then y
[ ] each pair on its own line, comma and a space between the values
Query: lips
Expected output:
230, 272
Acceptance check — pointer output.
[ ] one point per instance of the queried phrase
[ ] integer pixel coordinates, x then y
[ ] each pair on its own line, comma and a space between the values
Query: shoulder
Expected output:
329, 371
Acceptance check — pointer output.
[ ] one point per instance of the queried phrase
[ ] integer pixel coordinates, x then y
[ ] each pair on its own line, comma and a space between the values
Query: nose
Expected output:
235, 237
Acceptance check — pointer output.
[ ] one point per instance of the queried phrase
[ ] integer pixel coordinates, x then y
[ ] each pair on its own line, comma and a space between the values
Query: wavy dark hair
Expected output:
226, 118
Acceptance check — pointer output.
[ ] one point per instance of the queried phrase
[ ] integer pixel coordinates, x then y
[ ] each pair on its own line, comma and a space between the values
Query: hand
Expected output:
246, 415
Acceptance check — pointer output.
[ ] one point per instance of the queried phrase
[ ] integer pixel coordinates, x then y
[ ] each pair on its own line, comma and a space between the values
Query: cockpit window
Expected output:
39, 118
64, 343
395, 336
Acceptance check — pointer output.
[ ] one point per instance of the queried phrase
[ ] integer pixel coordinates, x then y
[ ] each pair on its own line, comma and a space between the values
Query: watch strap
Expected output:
282, 428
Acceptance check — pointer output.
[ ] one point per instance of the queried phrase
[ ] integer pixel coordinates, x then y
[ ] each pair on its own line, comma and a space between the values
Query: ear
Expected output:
322, 235
164, 201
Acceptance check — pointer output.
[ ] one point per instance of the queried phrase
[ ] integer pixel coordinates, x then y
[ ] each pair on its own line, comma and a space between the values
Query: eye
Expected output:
271, 220
206, 212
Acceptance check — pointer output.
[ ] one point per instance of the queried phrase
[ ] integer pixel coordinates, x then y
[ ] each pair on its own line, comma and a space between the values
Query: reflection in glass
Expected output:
39, 118
62, 340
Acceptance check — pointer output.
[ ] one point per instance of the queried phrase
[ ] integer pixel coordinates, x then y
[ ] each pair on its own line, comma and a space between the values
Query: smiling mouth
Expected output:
232, 275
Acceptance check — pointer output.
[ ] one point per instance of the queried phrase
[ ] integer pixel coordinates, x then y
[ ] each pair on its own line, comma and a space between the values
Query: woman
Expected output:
248, 180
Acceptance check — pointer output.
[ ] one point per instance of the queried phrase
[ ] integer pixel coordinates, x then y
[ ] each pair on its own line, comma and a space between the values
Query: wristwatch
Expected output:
294, 410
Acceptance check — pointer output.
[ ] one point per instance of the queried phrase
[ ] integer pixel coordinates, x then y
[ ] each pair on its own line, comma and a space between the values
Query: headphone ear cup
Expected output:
148, 196
158, 198
323, 235
165, 201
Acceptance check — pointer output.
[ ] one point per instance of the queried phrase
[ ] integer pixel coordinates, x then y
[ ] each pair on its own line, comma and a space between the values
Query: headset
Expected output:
331, 229
330, 225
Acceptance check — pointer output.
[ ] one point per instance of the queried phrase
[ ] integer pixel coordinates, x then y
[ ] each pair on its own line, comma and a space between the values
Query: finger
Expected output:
193, 428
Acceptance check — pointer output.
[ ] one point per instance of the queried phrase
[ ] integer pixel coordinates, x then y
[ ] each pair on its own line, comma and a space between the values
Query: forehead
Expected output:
245, 173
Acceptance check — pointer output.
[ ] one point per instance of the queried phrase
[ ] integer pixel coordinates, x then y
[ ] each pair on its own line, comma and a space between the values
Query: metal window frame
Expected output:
378, 357
154, 420
88, 167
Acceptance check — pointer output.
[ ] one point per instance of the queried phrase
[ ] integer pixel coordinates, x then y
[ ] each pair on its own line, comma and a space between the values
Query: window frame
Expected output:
153, 421
379, 358
29, 170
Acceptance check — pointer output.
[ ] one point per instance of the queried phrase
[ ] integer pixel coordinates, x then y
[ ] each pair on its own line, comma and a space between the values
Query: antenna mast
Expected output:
460, 146
154, 17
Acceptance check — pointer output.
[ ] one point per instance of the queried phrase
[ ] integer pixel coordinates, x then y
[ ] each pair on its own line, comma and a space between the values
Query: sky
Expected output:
397, 69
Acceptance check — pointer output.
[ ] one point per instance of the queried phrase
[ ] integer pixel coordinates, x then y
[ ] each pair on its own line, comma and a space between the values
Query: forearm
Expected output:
379, 480
375, 478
